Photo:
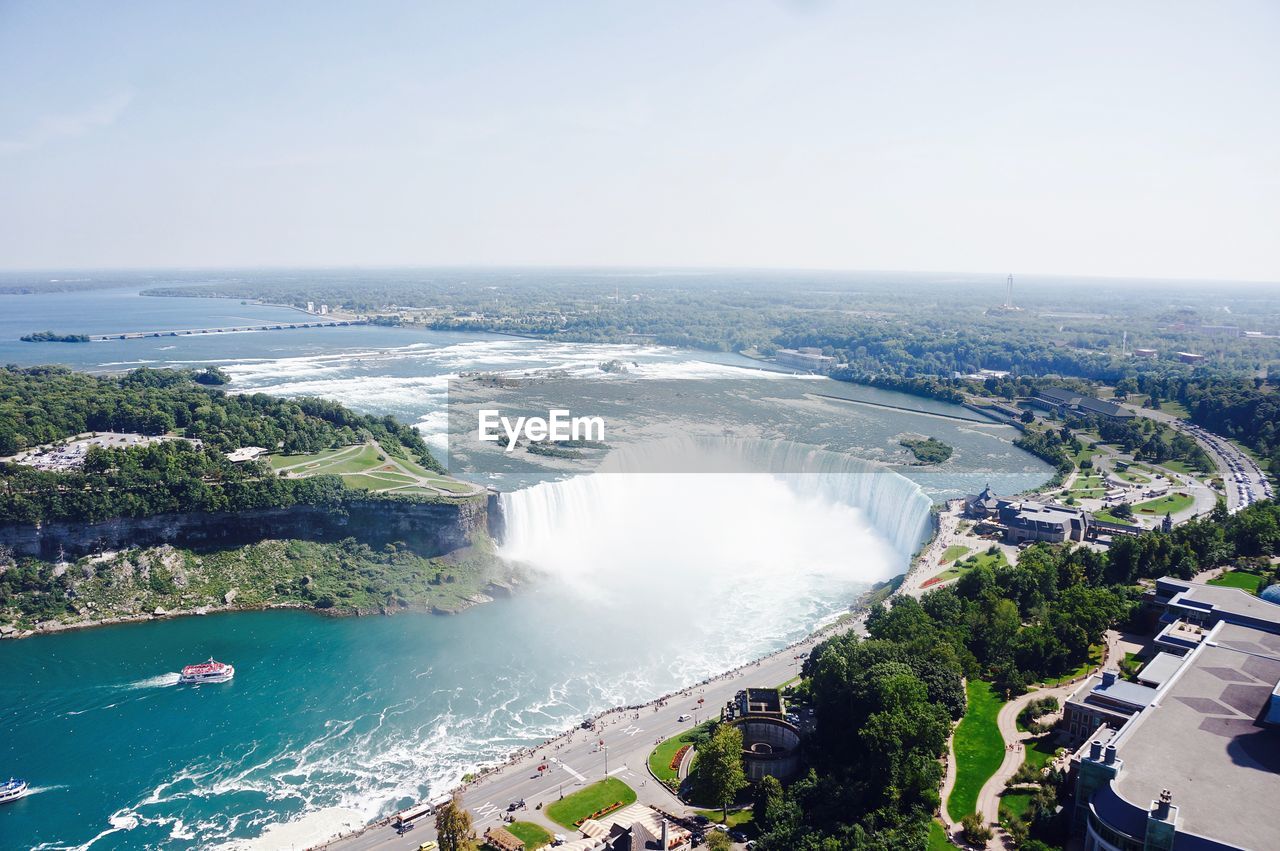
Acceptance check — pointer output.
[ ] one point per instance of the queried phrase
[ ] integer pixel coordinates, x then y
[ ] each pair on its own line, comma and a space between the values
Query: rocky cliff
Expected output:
429, 528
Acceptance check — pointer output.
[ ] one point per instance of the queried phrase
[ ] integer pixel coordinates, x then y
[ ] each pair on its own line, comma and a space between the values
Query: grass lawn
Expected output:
962, 567
978, 746
532, 835
661, 756
1087, 483
1172, 503
279, 461
1111, 518
583, 803
1131, 476
938, 837
1245, 579
737, 818
954, 552
1039, 752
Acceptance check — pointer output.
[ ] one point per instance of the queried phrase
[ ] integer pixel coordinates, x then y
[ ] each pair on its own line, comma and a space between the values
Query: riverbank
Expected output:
344, 578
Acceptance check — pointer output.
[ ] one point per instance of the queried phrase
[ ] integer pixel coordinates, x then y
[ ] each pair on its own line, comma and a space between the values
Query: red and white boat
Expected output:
207, 672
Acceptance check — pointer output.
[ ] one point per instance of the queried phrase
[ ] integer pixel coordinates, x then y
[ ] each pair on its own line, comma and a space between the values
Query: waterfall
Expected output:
730, 499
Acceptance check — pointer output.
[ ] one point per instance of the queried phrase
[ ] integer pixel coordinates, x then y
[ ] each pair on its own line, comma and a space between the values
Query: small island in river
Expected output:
51, 337
928, 450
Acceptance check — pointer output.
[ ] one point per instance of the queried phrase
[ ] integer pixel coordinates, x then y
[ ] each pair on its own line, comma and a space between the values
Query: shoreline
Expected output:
489, 593
852, 619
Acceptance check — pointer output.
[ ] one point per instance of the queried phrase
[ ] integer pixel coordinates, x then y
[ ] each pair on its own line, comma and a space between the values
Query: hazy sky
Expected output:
1107, 138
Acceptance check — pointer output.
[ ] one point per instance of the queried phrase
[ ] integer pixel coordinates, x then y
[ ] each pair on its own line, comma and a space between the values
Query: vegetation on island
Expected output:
51, 337
928, 450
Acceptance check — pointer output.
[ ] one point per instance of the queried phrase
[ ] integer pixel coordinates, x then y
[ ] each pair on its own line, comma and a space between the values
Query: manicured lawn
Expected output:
983, 558
278, 461
938, 837
1245, 579
581, 804
1182, 467
978, 746
1131, 476
737, 818
1171, 503
660, 758
532, 835
1039, 752
954, 552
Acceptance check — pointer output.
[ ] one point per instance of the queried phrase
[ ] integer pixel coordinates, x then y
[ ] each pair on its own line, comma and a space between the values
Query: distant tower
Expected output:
1124, 344
1008, 299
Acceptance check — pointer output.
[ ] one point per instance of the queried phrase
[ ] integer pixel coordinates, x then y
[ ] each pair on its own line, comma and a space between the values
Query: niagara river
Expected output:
643, 584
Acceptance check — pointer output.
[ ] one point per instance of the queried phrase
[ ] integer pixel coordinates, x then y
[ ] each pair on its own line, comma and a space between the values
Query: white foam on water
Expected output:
160, 681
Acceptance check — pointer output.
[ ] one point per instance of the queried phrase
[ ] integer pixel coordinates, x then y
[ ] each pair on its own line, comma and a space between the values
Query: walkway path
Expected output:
1015, 739
1014, 754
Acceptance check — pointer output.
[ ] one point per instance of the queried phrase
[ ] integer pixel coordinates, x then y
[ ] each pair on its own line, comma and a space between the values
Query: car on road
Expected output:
429, 845
684, 717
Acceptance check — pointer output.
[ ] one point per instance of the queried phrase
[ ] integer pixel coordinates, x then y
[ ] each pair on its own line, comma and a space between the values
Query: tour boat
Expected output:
207, 672
12, 790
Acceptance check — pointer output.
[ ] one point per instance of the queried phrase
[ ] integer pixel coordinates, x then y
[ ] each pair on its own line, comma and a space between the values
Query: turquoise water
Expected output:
336, 721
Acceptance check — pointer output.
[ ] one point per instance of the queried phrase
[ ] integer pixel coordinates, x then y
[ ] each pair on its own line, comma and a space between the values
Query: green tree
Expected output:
768, 802
717, 772
718, 841
453, 826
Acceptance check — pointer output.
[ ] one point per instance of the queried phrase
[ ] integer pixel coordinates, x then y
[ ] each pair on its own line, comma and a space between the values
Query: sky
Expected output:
1087, 138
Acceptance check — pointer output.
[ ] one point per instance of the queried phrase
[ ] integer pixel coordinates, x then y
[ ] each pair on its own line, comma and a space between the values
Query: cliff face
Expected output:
429, 528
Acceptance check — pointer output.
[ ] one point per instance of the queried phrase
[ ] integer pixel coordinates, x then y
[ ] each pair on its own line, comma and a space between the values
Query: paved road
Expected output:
1242, 478
576, 758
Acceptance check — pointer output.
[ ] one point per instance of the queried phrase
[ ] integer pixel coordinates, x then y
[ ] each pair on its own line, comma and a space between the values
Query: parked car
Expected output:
685, 717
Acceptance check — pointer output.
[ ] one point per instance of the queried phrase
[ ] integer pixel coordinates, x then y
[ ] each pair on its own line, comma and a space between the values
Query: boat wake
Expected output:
169, 679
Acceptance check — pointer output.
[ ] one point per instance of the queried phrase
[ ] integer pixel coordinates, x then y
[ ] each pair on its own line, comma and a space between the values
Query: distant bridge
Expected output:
234, 329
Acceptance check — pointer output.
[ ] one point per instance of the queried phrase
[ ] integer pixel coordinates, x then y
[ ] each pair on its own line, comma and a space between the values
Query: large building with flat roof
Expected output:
1192, 763
1056, 398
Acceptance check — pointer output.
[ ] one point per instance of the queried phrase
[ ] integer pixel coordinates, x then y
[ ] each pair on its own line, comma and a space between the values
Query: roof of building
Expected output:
503, 839
1161, 667
1042, 516
1233, 604
1202, 741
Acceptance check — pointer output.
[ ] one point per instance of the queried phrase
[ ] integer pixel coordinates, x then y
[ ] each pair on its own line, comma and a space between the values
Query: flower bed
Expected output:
603, 811
934, 581
679, 757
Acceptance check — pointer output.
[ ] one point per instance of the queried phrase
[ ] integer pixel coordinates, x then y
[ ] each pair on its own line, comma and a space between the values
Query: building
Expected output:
1035, 521
984, 505
1189, 756
1226, 331
1144, 353
1062, 401
502, 839
246, 453
808, 358
1190, 357
632, 828
770, 743
311, 307
1025, 520
1103, 699
324, 310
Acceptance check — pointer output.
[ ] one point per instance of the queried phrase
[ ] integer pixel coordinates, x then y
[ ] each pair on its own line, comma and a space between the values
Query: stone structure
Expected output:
770, 743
